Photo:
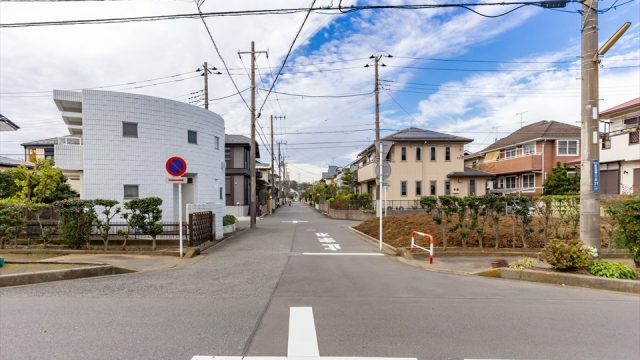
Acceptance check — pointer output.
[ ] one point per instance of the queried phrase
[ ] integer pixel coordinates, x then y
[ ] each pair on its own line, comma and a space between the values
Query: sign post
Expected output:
176, 167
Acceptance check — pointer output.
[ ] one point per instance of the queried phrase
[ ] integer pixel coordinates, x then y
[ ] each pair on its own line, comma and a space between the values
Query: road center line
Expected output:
342, 254
302, 333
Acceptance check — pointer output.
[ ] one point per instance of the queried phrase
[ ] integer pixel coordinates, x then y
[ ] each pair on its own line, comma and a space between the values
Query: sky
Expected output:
451, 70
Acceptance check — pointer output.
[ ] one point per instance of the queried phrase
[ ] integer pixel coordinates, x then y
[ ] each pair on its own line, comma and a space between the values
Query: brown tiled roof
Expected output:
622, 106
541, 129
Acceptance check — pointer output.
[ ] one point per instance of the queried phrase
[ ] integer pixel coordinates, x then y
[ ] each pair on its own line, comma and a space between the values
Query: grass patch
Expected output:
13, 268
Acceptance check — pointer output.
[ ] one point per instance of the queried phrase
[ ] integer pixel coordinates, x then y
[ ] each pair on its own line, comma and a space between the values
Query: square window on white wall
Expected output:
131, 192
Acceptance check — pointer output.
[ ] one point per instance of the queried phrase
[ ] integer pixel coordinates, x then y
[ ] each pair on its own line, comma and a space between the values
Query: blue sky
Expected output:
320, 131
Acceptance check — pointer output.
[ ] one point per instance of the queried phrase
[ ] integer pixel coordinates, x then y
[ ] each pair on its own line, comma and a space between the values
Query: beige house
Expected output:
423, 163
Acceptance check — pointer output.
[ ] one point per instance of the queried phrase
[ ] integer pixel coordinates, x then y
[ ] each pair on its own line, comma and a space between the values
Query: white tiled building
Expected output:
125, 140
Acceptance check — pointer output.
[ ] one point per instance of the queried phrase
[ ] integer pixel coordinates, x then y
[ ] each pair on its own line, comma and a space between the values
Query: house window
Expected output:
472, 186
528, 182
403, 188
447, 154
418, 154
129, 129
606, 141
192, 137
510, 182
631, 123
510, 153
220, 192
403, 154
529, 149
432, 188
567, 147
418, 188
634, 137
433, 153
48, 153
217, 142
447, 187
130, 192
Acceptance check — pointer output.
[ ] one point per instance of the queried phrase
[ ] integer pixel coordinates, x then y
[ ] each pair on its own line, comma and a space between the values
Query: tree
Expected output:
38, 210
12, 218
8, 186
146, 215
626, 225
76, 221
43, 183
559, 182
103, 223
348, 179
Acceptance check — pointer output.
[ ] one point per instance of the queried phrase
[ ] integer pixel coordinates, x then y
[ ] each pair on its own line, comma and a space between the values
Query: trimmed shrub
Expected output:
523, 263
566, 255
229, 220
612, 269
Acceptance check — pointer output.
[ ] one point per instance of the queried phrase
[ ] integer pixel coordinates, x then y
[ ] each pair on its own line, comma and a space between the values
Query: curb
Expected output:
390, 250
585, 281
90, 252
56, 275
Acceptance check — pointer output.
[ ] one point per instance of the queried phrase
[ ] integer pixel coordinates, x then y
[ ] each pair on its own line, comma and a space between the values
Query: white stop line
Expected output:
303, 342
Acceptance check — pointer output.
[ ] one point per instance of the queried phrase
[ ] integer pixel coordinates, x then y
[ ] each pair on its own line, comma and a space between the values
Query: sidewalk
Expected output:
129, 262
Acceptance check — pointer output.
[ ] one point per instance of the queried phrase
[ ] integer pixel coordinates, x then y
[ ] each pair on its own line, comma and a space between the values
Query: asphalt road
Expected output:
237, 301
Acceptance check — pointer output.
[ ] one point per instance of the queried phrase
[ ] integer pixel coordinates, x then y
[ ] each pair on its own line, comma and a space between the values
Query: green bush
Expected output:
612, 269
229, 220
76, 220
566, 255
626, 225
523, 263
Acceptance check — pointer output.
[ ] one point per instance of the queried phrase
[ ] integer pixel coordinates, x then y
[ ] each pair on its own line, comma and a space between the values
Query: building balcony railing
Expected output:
513, 165
68, 153
367, 172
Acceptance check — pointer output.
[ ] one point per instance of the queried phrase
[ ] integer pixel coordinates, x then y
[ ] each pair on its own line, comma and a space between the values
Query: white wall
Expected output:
110, 160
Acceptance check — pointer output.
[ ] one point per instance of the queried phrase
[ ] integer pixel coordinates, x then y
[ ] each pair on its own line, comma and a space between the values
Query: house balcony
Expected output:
68, 153
525, 163
366, 173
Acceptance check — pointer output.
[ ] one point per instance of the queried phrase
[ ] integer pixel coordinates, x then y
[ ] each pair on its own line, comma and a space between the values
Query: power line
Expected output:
103, 86
284, 62
224, 63
319, 96
327, 10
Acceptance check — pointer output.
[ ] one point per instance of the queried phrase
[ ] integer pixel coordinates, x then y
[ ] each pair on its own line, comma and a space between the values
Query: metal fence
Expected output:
402, 205
170, 230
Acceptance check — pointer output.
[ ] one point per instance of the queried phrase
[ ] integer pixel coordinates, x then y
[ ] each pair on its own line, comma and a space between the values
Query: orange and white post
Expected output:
429, 250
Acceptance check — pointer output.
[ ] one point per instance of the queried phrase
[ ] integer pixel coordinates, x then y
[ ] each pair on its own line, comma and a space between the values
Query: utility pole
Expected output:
589, 135
252, 156
205, 72
376, 91
206, 86
273, 183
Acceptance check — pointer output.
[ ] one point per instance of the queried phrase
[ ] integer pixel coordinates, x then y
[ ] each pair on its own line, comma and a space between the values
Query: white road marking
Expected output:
303, 342
302, 333
344, 254
332, 247
295, 221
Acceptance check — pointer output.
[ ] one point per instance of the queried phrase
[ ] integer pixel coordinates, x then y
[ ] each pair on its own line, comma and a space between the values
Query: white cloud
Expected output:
82, 56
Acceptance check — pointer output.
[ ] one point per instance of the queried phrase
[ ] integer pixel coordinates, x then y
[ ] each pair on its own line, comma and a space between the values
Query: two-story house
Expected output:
620, 149
238, 174
521, 161
46, 149
120, 142
423, 163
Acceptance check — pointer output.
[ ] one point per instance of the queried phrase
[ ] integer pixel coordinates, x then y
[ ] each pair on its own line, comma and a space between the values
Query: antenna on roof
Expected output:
521, 113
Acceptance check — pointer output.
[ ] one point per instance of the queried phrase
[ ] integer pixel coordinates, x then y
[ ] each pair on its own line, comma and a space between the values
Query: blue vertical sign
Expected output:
595, 175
